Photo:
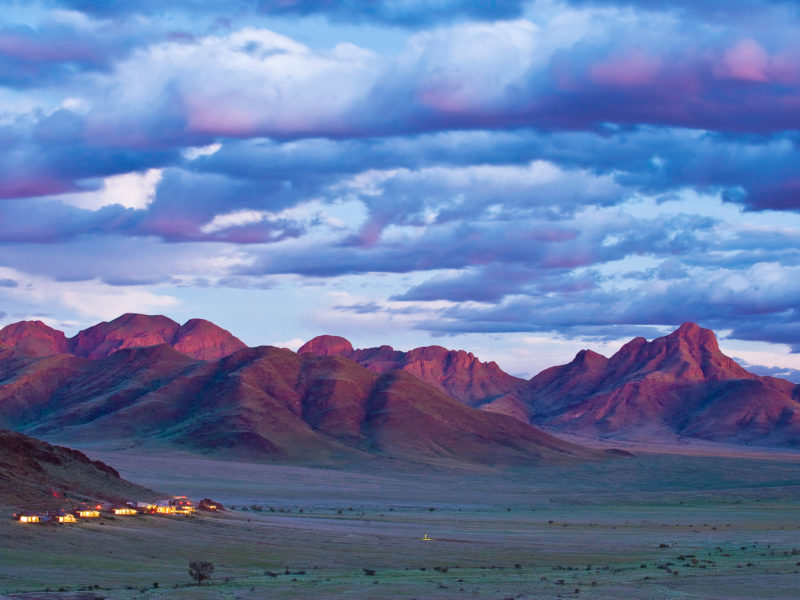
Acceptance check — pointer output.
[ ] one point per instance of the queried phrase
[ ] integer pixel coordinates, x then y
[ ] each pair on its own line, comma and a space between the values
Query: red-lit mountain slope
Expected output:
677, 385
196, 338
457, 373
263, 403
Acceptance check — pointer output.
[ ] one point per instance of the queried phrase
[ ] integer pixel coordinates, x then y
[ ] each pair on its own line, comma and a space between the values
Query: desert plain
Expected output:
714, 522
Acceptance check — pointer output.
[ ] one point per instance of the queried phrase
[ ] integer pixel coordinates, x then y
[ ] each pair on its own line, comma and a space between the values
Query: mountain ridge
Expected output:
677, 385
260, 403
680, 384
457, 373
197, 338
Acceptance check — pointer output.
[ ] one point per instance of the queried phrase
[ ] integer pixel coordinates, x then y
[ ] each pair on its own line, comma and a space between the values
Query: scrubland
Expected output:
652, 526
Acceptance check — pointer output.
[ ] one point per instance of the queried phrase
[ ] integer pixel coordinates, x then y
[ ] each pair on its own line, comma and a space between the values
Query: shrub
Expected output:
200, 570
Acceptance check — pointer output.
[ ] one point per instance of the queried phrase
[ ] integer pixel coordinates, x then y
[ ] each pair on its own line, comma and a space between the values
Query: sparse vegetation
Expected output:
476, 553
200, 570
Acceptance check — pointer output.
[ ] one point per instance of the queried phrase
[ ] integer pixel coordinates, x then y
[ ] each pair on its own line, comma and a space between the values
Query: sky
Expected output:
520, 179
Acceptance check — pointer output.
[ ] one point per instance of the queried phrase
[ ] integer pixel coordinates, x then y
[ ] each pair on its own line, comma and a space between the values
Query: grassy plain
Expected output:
649, 527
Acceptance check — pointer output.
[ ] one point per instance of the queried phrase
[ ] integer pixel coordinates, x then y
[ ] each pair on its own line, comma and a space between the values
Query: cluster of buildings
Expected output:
177, 505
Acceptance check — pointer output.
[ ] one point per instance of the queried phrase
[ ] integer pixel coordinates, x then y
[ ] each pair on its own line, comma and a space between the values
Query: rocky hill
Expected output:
35, 473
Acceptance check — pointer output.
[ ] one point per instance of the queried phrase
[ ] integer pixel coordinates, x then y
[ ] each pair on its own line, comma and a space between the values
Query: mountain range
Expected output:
148, 380
680, 384
264, 402
677, 386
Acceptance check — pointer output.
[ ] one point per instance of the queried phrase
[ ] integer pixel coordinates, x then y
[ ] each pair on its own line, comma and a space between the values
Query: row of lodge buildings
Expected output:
177, 505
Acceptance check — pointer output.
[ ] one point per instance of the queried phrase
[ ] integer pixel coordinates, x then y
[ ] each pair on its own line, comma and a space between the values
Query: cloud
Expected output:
758, 171
720, 299
47, 154
739, 11
119, 260
58, 46
494, 282
575, 73
580, 167
409, 13
789, 373
130, 190
90, 299
536, 239
263, 84
404, 13
49, 221
401, 197
578, 71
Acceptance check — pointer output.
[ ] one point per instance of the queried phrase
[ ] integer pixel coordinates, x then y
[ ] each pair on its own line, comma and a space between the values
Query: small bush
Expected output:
199, 570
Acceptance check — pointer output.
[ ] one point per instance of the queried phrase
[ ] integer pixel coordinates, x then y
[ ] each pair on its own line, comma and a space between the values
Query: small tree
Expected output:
200, 570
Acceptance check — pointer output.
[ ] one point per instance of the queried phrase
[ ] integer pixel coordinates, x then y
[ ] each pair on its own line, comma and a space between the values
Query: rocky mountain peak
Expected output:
327, 345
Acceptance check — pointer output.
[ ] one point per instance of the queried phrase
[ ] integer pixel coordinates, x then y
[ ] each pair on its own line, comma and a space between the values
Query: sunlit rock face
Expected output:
34, 337
457, 373
260, 403
196, 338
677, 385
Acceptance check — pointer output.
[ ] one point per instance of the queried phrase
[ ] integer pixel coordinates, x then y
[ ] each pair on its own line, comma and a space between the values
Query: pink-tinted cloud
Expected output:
630, 70
747, 60
22, 185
